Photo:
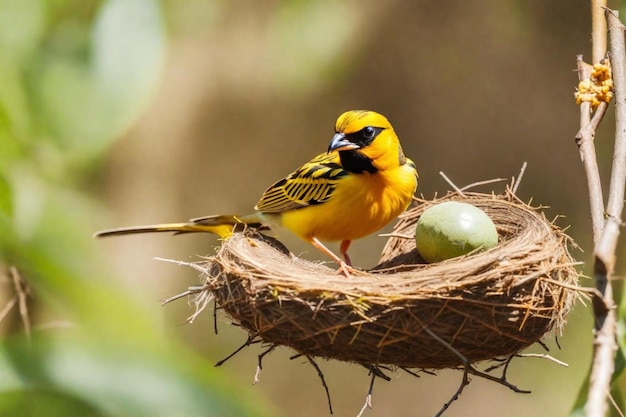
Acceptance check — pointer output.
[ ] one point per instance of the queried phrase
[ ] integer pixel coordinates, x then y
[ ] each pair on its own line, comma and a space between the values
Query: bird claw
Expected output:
345, 269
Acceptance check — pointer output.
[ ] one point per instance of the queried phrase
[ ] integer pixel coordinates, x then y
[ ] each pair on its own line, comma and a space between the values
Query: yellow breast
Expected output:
360, 205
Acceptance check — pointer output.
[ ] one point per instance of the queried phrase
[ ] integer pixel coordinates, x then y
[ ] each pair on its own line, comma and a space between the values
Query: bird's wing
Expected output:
312, 183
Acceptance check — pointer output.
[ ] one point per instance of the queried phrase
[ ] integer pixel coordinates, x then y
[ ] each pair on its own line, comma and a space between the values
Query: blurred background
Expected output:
123, 112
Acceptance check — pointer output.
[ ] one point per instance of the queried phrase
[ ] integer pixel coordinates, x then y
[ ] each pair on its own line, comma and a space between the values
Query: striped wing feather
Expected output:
312, 183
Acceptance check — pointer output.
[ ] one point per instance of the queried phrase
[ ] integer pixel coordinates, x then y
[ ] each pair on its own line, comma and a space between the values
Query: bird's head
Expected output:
366, 141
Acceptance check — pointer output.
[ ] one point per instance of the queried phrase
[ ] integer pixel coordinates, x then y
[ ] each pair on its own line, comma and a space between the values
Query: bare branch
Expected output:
544, 356
517, 181
321, 376
368, 397
453, 185
585, 140
8, 307
598, 30
22, 292
485, 182
464, 382
259, 366
616, 406
605, 344
615, 202
190, 291
252, 339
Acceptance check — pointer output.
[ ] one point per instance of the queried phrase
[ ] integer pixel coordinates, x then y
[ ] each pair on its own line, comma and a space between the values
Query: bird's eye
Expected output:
369, 132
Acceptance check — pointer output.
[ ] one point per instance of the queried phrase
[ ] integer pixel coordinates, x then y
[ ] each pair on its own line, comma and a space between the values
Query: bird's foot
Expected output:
346, 270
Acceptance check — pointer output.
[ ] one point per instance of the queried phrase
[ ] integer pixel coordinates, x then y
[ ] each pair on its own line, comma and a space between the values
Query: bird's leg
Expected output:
345, 244
344, 268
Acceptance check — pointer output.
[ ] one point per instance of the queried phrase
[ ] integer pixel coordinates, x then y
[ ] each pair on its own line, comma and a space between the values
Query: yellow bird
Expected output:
359, 185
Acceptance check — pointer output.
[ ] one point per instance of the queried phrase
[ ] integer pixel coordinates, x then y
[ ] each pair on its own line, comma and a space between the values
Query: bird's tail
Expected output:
221, 225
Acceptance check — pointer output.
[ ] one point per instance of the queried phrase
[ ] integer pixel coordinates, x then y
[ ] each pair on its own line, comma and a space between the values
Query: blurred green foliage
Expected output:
74, 74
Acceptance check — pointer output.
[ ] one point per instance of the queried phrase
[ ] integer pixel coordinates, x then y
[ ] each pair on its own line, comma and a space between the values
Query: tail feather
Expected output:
220, 225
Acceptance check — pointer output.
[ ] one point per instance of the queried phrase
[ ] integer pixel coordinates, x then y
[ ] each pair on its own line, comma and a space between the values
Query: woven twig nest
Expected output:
405, 313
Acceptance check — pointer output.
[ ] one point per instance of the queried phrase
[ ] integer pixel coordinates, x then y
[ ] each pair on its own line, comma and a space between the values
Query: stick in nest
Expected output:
259, 366
320, 374
375, 372
252, 339
22, 292
469, 369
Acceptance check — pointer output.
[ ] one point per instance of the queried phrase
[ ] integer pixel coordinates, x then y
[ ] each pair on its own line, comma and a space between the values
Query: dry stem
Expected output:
252, 339
320, 374
605, 232
585, 140
22, 292
598, 33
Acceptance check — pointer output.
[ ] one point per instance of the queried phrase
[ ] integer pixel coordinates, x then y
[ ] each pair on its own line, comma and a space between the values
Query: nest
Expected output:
403, 312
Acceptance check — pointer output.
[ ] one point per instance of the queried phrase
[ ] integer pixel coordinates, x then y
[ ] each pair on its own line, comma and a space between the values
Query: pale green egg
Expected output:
452, 229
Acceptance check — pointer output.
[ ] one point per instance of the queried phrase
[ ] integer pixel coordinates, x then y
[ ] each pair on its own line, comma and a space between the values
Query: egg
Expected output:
450, 229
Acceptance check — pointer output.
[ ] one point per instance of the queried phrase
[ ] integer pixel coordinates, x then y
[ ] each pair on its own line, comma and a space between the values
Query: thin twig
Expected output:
397, 235
446, 344
518, 180
460, 190
500, 362
412, 373
615, 202
250, 341
585, 141
543, 345
543, 356
556, 341
453, 185
598, 32
505, 369
320, 374
376, 370
190, 291
615, 406
8, 307
464, 382
469, 369
215, 307
502, 380
22, 292
605, 344
193, 265
201, 302
259, 366
368, 397
589, 130
479, 183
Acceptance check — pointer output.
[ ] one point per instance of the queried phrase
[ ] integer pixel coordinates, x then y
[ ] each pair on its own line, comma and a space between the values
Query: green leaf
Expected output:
84, 375
128, 45
578, 410
89, 103
39, 402
128, 52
